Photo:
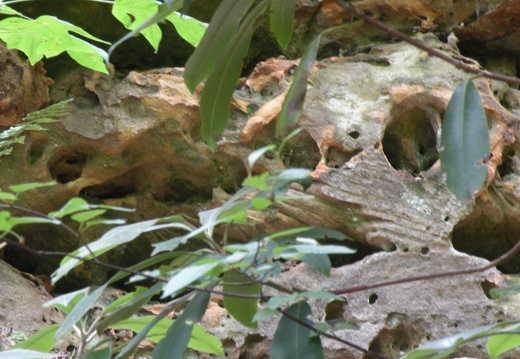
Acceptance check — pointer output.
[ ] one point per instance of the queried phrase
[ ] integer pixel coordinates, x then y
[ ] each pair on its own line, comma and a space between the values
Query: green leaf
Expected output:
67, 302
113, 238
186, 276
87, 215
79, 311
281, 20
28, 186
242, 309
132, 13
41, 341
127, 305
25, 354
6, 196
104, 353
48, 36
465, 142
6, 10
259, 182
320, 262
501, 343
220, 85
279, 300
179, 334
293, 340
261, 203
190, 29
256, 154
200, 339
223, 26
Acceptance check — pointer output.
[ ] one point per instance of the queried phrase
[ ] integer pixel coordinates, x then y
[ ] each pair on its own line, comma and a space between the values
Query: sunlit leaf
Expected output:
281, 20
464, 142
223, 26
501, 343
256, 154
42, 340
220, 85
19, 188
189, 29
67, 302
132, 13
293, 340
25, 354
87, 215
48, 36
186, 276
242, 309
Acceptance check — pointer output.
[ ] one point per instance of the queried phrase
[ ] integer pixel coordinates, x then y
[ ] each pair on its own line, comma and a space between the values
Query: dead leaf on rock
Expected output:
269, 71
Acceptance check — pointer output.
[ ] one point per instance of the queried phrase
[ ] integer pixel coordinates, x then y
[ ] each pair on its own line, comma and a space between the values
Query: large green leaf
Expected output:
223, 26
464, 142
242, 309
219, 88
190, 29
41, 341
200, 339
186, 276
501, 343
281, 20
164, 9
293, 340
179, 334
48, 36
132, 13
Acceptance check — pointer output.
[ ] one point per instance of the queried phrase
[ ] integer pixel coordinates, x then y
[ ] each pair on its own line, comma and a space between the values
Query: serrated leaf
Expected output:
223, 26
219, 88
179, 334
48, 36
281, 20
464, 142
132, 13
41, 341
190, 29
293, 340
242, 309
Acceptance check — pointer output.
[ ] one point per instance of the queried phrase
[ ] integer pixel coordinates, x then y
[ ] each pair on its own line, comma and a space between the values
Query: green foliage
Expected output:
465, 142
32, 122
48, 36
282, 20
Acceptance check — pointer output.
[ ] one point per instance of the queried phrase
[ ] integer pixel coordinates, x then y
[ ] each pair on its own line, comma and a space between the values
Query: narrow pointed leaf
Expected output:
186, 276
41, 341
242, 309
79, 311
25, 354
281, 20
293, 340
464, 142
219, 88
179, 334
222, 28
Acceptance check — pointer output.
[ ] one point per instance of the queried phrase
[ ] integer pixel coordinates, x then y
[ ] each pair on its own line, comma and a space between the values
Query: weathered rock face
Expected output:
370, 133
23, 88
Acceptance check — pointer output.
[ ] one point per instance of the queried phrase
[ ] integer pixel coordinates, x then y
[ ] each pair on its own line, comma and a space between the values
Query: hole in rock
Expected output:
394, 339
490, 230
486, 286
510, 164
67, 165
372, 298
409, 141
425, 250
354, 134
301, 152
36, 144
337, 157
334, 311
118, 187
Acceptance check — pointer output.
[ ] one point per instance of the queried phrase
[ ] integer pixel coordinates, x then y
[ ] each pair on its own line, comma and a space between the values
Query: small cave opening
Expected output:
490, 230
410, 141
301, 152
67, 165
118, 187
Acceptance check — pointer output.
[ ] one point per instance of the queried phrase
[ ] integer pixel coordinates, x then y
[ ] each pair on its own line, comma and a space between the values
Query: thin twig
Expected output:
421, 45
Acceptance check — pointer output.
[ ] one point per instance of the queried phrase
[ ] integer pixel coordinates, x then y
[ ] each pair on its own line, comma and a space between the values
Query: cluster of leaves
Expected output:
240, 269
48, 36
